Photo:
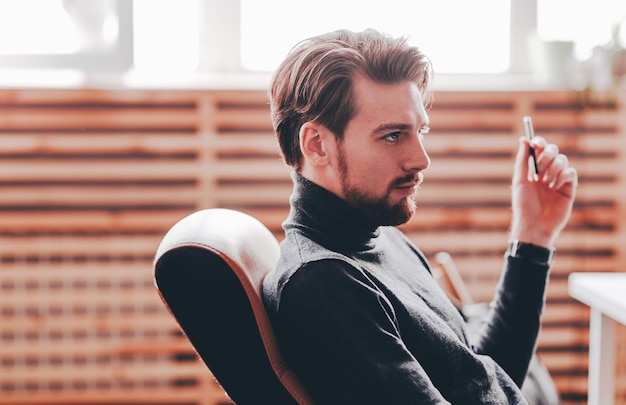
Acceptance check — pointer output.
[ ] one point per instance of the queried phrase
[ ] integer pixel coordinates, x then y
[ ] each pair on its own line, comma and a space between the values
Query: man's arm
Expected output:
542, 205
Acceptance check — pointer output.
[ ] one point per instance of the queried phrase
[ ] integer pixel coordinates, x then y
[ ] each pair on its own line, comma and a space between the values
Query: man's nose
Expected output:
417, 158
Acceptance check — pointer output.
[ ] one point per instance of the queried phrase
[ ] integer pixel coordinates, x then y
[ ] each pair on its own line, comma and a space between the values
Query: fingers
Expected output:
567, 182
554, 168
546, 155
551, 164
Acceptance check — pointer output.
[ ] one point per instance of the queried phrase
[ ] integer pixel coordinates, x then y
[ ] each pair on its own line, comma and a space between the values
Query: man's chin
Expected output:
406, 210
398, 214
383, 212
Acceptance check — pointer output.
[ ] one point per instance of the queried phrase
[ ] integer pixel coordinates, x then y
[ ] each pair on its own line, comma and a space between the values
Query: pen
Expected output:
530, 133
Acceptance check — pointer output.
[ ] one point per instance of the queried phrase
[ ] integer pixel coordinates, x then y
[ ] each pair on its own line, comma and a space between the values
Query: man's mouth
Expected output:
410, 182
408, 185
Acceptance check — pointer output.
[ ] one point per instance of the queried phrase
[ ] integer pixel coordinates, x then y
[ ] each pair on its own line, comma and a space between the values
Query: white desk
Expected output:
605, 294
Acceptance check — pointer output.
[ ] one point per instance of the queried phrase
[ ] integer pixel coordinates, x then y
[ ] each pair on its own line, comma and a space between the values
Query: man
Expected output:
356, 310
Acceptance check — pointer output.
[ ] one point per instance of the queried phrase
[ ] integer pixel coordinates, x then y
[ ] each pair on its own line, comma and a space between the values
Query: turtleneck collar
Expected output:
328, 219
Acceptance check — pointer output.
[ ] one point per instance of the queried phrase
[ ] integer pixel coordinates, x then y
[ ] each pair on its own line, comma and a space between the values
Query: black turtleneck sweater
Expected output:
362, 321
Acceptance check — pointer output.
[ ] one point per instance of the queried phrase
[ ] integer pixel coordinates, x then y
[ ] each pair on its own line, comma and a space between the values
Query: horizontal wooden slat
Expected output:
114, 299
94, 196
86, 119
46, 271
18, 170
488, 239
150, 219
119, 245
175, 393
97, 143
440, 142
109, 350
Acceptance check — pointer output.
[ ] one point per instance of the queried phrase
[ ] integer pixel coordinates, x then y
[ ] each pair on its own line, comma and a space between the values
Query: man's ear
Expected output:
314, 144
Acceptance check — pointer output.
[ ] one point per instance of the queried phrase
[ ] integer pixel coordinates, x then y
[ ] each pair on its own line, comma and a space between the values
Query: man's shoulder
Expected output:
300, 249
300, 253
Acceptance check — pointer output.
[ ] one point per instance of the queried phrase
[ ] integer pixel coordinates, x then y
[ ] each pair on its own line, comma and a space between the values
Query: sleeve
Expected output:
510, 331
333, 319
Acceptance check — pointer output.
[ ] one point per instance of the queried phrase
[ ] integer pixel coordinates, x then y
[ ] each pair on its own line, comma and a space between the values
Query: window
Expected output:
166, 35
87, 35
458, 35
585, 23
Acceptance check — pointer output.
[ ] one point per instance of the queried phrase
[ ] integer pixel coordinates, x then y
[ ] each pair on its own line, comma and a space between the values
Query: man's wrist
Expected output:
531, 252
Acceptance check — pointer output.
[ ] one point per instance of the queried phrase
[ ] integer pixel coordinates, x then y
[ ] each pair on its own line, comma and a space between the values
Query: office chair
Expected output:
209, 270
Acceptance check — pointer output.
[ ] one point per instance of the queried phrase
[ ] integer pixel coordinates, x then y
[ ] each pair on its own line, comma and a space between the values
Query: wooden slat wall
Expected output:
91, 180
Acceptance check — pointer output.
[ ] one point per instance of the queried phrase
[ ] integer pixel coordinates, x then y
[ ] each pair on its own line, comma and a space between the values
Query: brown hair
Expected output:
314, 82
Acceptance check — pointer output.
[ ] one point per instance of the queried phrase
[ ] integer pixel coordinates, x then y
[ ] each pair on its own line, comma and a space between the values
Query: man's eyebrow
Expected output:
392, 126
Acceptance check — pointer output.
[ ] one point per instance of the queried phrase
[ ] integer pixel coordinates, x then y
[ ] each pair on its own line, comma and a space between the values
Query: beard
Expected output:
379, 209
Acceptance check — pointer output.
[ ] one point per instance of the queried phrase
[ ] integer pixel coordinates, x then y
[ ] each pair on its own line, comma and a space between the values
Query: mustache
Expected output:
409, 178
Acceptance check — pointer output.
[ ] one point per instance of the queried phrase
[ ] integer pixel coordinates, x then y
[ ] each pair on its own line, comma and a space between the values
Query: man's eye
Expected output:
424, 130
392, 136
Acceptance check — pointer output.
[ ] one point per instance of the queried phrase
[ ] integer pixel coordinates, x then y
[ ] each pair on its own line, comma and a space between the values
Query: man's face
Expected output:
381, 157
